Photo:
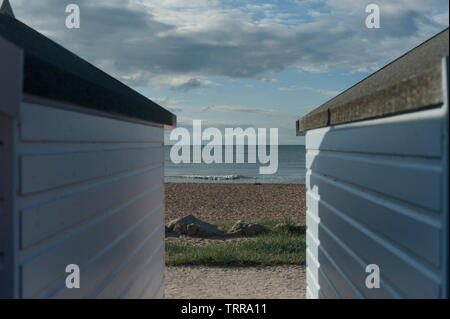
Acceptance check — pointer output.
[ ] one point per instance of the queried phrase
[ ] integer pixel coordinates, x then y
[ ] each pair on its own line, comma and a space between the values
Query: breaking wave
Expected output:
209, 177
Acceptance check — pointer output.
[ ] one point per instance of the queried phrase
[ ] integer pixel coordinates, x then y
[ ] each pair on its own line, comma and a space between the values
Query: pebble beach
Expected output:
218, 202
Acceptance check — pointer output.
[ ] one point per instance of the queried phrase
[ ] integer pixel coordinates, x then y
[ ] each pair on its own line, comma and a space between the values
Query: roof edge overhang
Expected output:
410, 83
51, 72
11, 66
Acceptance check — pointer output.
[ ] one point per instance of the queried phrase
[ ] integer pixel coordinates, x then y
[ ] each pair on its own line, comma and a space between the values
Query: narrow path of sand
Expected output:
230, 282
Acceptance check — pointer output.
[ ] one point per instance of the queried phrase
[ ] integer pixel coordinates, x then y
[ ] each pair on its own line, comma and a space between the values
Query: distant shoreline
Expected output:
290, 169
198, 181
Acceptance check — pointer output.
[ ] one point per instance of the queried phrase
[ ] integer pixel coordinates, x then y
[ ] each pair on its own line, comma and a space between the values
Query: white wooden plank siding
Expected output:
376, 195
377, 181
90, 192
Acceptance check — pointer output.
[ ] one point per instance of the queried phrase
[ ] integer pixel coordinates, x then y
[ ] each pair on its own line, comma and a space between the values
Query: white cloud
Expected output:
240, 109
308, 88
179, 43
269, 80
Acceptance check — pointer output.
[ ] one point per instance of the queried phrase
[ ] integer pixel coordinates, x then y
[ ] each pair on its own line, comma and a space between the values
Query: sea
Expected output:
291, 168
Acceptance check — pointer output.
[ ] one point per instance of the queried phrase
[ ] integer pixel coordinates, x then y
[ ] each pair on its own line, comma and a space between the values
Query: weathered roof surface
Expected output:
409, 83
53, 72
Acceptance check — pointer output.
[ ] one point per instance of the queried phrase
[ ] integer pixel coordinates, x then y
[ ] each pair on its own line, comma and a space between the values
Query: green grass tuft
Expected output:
273, 248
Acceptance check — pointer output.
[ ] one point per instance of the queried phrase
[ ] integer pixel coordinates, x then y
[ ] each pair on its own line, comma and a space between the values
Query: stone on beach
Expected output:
169, 233
191, 226
243, 228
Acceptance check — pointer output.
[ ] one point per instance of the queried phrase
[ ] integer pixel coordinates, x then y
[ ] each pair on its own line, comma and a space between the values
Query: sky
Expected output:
261, 64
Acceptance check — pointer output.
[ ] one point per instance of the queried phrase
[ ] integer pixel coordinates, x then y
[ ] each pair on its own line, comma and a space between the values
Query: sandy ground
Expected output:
197, 282
212, 202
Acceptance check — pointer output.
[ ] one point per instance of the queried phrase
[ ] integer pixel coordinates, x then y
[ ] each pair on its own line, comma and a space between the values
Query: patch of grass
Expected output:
272, 248
271, 222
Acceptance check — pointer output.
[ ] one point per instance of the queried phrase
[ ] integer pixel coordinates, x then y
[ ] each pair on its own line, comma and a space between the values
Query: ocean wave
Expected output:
209, 177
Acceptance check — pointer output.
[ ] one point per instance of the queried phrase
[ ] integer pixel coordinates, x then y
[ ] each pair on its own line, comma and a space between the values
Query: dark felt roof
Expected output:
53, 72
410, 83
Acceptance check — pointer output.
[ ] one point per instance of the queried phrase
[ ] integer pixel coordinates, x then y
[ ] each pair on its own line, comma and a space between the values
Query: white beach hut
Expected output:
377, 182
81, 175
